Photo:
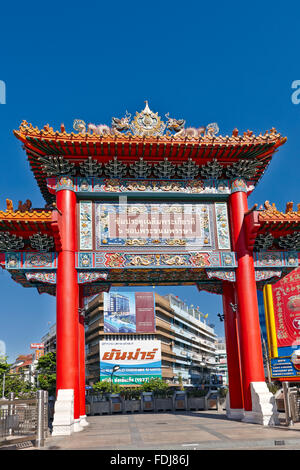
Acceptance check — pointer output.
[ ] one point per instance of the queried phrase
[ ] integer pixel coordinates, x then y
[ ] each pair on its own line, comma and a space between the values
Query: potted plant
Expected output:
222, 396
99, 398
161, 392
196, 399
131, 399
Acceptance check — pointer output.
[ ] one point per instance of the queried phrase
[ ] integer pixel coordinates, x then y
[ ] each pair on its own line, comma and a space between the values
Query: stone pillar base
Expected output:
63, 422
264, 410
83, 421
233, 413
77, 425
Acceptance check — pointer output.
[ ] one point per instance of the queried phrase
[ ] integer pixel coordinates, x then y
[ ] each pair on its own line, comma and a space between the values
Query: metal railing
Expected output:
24, 420
291, 403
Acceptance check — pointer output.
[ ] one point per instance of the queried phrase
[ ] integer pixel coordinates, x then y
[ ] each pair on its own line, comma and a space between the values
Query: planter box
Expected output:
99, 407
132, 406
212, 404
163, 404
180, 401
115, 403
148, 403
196, 403
222, 403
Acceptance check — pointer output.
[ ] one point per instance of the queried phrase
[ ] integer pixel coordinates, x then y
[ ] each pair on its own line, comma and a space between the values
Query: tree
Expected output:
46, 369
105, 387
157, 386
4, 367
13, 382
180, 381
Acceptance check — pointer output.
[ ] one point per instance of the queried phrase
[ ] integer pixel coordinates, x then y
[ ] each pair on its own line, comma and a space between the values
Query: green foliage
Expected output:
197, 392
14, 382
223, 392
158, 387
131, 393
181, 386
274, 387
20, 387
47, 363
105, 387
4, 366
46, 369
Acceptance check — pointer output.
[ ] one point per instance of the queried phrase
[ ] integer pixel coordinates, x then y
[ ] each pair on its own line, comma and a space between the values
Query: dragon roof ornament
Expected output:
271, 211
146, 124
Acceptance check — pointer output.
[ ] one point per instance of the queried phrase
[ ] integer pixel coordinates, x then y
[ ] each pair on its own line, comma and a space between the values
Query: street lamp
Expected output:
114, 369
202, 364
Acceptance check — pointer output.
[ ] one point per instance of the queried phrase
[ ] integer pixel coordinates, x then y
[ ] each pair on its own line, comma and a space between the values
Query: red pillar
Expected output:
232, 347
248, 315
81, 355
67, 299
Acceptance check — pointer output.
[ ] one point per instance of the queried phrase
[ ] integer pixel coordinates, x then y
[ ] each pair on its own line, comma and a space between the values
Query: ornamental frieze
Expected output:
212, 186
49, 278
276, 259
224, 275
154, 276
122, 259
41, 242
86, 277
10, 242
146, 123
30, 260
145, 260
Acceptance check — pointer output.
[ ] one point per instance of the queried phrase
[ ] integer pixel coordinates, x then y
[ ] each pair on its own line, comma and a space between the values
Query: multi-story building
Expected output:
221, 360
95, 333
49, 340
188, 347
119, 303
24, 366
194, 344
190, 351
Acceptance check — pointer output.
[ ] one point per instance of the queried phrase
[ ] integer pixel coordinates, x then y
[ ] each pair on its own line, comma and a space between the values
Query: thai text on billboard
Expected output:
129, 312
139, 361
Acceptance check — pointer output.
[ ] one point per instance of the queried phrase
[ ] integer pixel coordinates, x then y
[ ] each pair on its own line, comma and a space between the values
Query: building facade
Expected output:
187, 341
24, 366
194, 345
49, 340
221, 359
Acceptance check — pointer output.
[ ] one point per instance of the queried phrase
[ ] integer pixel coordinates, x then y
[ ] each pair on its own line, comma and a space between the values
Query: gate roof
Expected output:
130, 142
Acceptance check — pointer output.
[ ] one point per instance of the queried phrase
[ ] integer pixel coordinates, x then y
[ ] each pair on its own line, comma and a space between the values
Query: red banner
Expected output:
286, 299
144, 307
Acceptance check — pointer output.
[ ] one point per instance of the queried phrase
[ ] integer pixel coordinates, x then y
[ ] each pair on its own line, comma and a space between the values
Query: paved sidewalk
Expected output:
210, 430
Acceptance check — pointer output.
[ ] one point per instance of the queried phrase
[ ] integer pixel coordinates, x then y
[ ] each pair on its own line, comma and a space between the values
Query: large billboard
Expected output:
139, 361
283, 314
129, 312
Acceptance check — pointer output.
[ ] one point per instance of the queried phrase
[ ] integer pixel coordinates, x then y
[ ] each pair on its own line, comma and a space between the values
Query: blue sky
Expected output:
227, 62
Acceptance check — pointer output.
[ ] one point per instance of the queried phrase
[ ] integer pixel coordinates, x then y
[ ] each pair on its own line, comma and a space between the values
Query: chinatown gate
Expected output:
144, 202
